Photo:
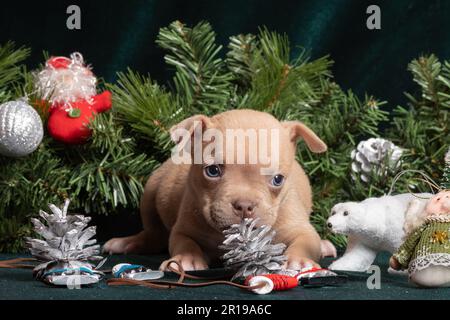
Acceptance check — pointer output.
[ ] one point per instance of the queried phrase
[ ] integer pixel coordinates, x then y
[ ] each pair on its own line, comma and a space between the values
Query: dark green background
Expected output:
117, 35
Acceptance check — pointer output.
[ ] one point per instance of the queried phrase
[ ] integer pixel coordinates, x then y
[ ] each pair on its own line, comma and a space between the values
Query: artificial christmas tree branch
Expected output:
148, 109
10, 69
200, 79
239, 58
423, 127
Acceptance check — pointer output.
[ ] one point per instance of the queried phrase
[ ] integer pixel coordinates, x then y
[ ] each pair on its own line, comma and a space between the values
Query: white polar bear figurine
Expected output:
372, 226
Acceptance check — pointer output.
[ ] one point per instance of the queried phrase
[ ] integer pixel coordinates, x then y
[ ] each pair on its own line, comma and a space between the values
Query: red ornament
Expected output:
59, 62
71, 125
69, 87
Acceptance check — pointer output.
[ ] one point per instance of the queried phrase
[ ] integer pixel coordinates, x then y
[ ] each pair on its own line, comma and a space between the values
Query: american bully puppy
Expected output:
187, 206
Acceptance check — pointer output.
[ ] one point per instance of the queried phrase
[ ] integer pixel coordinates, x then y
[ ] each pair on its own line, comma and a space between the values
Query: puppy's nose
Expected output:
244, 208
329, 225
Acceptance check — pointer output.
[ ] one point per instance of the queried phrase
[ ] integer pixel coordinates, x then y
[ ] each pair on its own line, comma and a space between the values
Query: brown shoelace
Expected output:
161, 284
20, 263
17, 263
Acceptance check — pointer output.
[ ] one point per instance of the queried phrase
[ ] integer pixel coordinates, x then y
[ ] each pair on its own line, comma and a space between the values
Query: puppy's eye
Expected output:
213, 171
277, 180
345, 213
333, 213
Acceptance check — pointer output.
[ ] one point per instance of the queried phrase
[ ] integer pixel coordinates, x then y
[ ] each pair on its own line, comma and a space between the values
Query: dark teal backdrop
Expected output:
121, 34
117, 35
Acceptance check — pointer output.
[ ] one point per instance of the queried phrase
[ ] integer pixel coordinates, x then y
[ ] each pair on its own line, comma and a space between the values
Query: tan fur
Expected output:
183, 208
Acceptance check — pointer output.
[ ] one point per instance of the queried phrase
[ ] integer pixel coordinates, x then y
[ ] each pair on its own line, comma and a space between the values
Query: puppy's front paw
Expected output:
298, 263
188, 263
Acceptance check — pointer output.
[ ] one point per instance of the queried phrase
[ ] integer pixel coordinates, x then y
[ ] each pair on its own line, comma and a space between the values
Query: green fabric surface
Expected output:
19, 284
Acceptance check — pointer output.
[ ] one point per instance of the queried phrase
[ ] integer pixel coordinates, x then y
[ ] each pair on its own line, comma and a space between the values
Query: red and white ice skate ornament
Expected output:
308, 277
70, 88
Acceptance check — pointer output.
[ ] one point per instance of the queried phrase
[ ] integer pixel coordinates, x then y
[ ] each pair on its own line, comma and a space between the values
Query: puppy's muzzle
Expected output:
244, 208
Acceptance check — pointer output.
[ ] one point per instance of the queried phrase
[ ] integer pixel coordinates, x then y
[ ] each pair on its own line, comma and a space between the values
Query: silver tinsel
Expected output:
249, 249
66, 250
21, 129
136, 272
375, 155
65, 85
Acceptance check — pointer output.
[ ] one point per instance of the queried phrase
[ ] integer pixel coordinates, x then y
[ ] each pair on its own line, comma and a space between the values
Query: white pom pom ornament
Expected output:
64, 81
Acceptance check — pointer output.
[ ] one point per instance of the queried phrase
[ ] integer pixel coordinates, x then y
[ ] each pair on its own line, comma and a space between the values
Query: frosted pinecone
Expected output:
250, 251
375, 155
66, 243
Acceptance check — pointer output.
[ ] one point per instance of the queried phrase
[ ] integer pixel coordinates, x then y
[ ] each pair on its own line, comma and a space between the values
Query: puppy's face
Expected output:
245, 167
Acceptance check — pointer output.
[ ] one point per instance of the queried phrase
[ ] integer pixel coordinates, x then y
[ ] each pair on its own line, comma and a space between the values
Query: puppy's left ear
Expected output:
298, 130
187, 126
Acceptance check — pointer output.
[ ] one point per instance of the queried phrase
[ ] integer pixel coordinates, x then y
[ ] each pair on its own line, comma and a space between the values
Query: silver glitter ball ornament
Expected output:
21, 129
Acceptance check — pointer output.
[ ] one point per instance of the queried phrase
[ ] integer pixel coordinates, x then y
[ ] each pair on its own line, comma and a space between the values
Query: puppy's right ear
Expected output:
188, 126
299, 130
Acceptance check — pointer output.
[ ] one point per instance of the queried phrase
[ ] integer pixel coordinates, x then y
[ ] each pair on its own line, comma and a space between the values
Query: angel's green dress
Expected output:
429, 245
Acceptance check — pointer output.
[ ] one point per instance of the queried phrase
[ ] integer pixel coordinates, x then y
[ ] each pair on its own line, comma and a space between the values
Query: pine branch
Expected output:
102, 185
423, 128
107, 135
26, 185
239, 58
10, 69
13, 232
201, 79
278, 83
147, 108
108, 172
425, 72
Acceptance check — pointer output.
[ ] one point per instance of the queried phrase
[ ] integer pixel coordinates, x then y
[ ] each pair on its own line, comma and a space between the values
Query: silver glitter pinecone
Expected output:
21, 129
249, 249
375, 155
66, 248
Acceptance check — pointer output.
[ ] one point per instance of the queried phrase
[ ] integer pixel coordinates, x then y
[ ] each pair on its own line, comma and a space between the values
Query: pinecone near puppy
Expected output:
250, 251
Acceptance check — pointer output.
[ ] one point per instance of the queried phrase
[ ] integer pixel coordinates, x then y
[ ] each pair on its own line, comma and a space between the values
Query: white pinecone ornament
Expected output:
249, 250
66, 250
375, 155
